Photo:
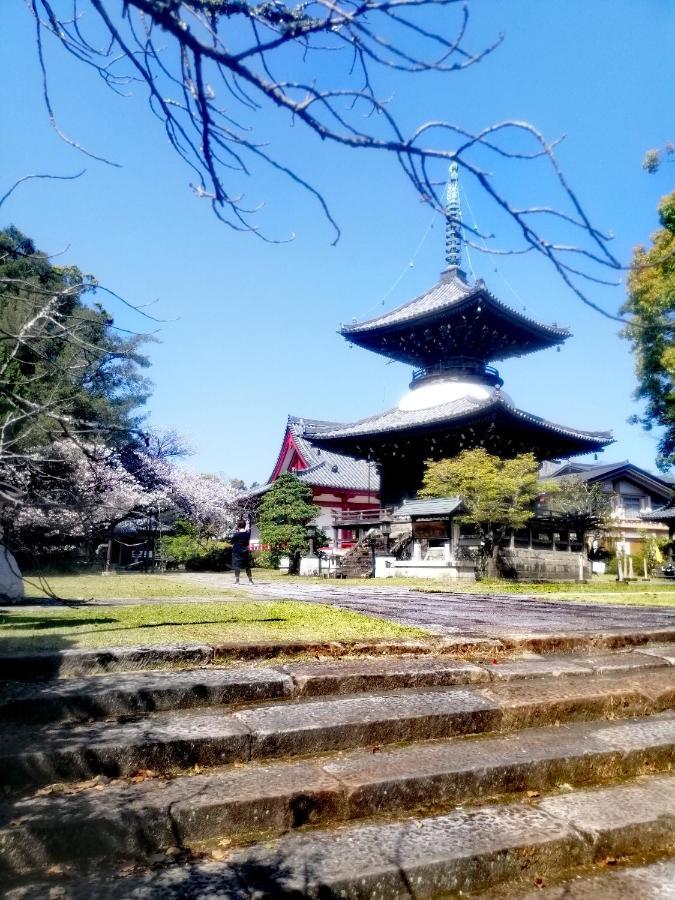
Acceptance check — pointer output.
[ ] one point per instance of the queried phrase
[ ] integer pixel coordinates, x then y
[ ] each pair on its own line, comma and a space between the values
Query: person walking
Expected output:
241, 555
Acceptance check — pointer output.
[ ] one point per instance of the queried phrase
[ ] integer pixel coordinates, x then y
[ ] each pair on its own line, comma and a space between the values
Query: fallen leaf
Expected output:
218, 854
533, 794
57, 869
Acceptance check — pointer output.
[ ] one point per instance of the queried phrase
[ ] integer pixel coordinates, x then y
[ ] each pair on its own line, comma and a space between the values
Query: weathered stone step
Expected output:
464, 851
165, 741
132, 821
655, 881
120, 694
125, 694
39, 665
49, 664
181, 739
115, 695
43, 664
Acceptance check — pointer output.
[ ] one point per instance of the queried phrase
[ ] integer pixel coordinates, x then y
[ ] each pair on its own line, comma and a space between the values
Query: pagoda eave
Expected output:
476, 324
499, 427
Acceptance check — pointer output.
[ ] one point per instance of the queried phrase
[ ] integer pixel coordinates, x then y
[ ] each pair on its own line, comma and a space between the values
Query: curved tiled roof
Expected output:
441, 295
398, 420
665, 514
327, 468
448, 295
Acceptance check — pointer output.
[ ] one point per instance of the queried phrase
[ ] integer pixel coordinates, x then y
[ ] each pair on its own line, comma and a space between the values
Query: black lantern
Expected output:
311, 534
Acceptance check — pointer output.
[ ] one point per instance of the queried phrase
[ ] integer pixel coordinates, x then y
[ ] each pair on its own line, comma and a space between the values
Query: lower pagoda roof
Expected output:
462, 424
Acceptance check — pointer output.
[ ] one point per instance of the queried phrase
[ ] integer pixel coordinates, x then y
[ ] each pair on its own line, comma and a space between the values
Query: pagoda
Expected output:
450, 335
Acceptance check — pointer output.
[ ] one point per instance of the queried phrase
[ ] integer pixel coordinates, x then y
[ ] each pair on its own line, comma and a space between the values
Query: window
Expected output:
631, 505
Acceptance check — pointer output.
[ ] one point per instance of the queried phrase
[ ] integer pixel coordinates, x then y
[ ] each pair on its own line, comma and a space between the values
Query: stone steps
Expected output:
137, 820
108, 696
128, 694
462, 851
180, 739
40, 665
655, 881
370, 777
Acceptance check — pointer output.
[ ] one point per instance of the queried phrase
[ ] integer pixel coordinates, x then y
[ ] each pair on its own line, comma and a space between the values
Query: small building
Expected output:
636, 495
436, 547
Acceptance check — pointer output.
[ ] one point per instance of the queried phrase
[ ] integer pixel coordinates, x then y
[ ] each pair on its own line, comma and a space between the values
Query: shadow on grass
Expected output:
12, 621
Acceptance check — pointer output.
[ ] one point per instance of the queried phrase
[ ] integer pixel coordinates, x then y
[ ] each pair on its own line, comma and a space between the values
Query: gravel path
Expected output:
475, 614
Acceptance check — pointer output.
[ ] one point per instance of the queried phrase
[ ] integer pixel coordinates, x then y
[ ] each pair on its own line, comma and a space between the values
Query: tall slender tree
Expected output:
651, 332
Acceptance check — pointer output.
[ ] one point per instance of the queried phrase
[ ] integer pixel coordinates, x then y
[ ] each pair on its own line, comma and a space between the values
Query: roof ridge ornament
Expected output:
453, 219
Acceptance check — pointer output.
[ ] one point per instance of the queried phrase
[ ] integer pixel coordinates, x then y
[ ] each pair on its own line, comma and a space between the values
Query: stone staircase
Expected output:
358, 562
427, 777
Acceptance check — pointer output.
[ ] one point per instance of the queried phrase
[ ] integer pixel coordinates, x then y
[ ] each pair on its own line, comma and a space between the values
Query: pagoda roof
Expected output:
393, 424
453, 319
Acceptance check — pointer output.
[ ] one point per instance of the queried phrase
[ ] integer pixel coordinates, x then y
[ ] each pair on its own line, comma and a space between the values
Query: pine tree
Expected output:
285, 512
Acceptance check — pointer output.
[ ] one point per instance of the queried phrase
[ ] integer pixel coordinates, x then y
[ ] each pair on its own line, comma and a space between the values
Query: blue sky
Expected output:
250, 331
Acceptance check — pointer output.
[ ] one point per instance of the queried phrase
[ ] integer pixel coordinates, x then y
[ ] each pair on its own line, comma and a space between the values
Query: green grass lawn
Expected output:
118, 587
52, 628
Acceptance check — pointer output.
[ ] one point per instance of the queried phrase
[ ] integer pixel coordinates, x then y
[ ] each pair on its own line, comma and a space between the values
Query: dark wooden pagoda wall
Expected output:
401, 458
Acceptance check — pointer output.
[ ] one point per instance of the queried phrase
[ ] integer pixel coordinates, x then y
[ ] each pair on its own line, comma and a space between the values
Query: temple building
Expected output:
451, 335
342, 487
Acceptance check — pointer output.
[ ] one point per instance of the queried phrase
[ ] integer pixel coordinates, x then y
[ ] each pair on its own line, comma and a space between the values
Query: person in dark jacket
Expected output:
241, 555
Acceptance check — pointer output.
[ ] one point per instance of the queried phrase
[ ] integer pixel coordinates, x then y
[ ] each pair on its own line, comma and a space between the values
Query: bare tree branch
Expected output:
186, 52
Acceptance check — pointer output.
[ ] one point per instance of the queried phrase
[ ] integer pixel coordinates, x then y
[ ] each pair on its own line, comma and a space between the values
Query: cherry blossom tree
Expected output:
85, 491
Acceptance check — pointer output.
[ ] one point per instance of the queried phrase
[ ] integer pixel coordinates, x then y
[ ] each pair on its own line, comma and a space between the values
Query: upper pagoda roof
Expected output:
451, 320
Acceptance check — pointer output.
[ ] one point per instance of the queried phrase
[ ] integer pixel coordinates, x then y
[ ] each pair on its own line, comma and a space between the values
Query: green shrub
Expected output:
216, 558
262, 559
197, 554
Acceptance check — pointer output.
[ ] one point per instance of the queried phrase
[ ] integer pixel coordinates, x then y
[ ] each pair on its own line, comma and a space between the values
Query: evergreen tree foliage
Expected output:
497, 494
651, 305
285, 511
583, 506
64, 369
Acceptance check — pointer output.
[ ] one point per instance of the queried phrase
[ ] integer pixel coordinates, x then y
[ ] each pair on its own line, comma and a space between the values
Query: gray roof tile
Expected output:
600, 472
440, 506
326, 468
446, 294
398, 420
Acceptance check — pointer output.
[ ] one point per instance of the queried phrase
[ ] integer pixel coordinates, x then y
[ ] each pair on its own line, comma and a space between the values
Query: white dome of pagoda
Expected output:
440, 391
